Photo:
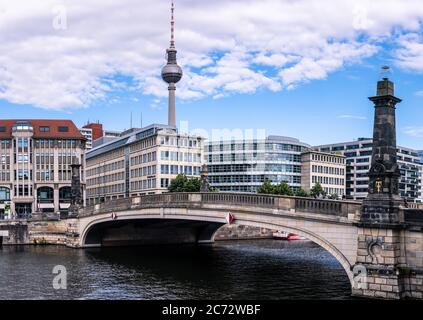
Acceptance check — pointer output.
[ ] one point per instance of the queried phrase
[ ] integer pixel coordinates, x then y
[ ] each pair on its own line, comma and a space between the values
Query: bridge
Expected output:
392, 257
380, 261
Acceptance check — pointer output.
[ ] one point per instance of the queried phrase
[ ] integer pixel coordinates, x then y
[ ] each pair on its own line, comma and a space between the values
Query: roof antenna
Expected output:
172, 26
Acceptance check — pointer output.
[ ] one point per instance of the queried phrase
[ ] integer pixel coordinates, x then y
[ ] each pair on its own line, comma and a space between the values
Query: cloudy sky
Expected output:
300, 68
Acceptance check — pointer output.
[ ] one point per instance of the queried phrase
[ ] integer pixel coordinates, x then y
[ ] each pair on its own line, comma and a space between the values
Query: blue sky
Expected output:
312, 85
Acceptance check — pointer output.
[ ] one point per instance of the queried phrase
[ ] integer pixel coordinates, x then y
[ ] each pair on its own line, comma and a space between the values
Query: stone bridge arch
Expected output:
340, 240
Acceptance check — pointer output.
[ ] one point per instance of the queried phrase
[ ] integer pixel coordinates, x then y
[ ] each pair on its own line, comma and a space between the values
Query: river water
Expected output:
259, 269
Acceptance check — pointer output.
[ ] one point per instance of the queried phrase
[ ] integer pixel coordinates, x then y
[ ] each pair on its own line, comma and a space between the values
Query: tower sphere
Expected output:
172, 73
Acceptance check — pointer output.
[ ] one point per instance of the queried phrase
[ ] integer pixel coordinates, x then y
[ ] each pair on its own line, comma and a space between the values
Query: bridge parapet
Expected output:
413, 217
418, 206
346, 209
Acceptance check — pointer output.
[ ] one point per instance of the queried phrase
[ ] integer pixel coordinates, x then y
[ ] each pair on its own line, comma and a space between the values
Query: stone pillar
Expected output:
379, 272
204, 179
56, 198
76, 193
383, 201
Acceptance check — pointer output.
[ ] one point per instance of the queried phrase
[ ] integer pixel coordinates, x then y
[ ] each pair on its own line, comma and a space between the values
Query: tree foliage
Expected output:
282, 189
317, 191
333, 196
182, 184
266, 188
302, 193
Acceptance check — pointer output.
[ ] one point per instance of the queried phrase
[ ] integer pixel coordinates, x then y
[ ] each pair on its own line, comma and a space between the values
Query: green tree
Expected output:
302, 193
317, 191
192, 185
283, 189
182, 184
178, 184
266, 188
333, 196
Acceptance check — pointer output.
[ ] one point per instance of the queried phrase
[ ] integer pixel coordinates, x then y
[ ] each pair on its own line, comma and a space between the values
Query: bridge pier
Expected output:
390, 254
380, 264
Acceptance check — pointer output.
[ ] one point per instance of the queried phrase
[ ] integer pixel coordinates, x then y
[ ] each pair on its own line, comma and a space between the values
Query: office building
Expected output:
243, 166
358, 156
88, 135
142, 162
327, 169
35, 160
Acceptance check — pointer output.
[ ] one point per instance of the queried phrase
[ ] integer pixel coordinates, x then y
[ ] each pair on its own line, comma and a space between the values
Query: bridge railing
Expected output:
239, 199
418, 206
292, 204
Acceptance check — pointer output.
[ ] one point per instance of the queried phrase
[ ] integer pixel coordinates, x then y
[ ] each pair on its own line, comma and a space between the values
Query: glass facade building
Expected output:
243, 166
359, 153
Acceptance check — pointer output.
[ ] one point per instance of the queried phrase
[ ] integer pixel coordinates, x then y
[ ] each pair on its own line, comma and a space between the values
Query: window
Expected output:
45, 129
45, 193
2, 129
4, 194
164, 183
63, 129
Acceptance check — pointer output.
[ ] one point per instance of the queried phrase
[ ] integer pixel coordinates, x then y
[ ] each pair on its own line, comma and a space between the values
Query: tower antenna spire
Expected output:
171, 72
172, 25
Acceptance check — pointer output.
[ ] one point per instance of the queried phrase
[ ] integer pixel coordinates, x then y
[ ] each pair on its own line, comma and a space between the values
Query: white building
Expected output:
88, 134
327, 169
142, 162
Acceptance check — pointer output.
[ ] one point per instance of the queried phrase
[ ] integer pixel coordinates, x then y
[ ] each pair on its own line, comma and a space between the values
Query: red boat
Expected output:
280, 235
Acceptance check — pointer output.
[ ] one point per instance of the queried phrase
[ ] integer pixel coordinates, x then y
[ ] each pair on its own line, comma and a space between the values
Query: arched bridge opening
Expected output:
136, 232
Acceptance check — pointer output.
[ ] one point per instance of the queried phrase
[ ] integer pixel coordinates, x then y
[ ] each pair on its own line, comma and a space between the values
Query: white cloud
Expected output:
225, 47
410, 53
416, 132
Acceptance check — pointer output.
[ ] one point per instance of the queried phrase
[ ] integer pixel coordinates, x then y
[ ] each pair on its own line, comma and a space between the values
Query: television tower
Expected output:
171, 72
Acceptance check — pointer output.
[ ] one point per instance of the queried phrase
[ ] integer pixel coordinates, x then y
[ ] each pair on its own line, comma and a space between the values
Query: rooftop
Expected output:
42, 128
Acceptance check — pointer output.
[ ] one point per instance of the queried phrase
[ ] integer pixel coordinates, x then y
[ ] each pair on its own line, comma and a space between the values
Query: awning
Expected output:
46, 205
64, 205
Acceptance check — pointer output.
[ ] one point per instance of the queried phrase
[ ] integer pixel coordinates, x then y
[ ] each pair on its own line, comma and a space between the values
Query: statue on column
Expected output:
204, 180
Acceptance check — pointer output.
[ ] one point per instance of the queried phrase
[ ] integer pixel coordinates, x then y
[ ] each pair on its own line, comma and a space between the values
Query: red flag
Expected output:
230, 218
